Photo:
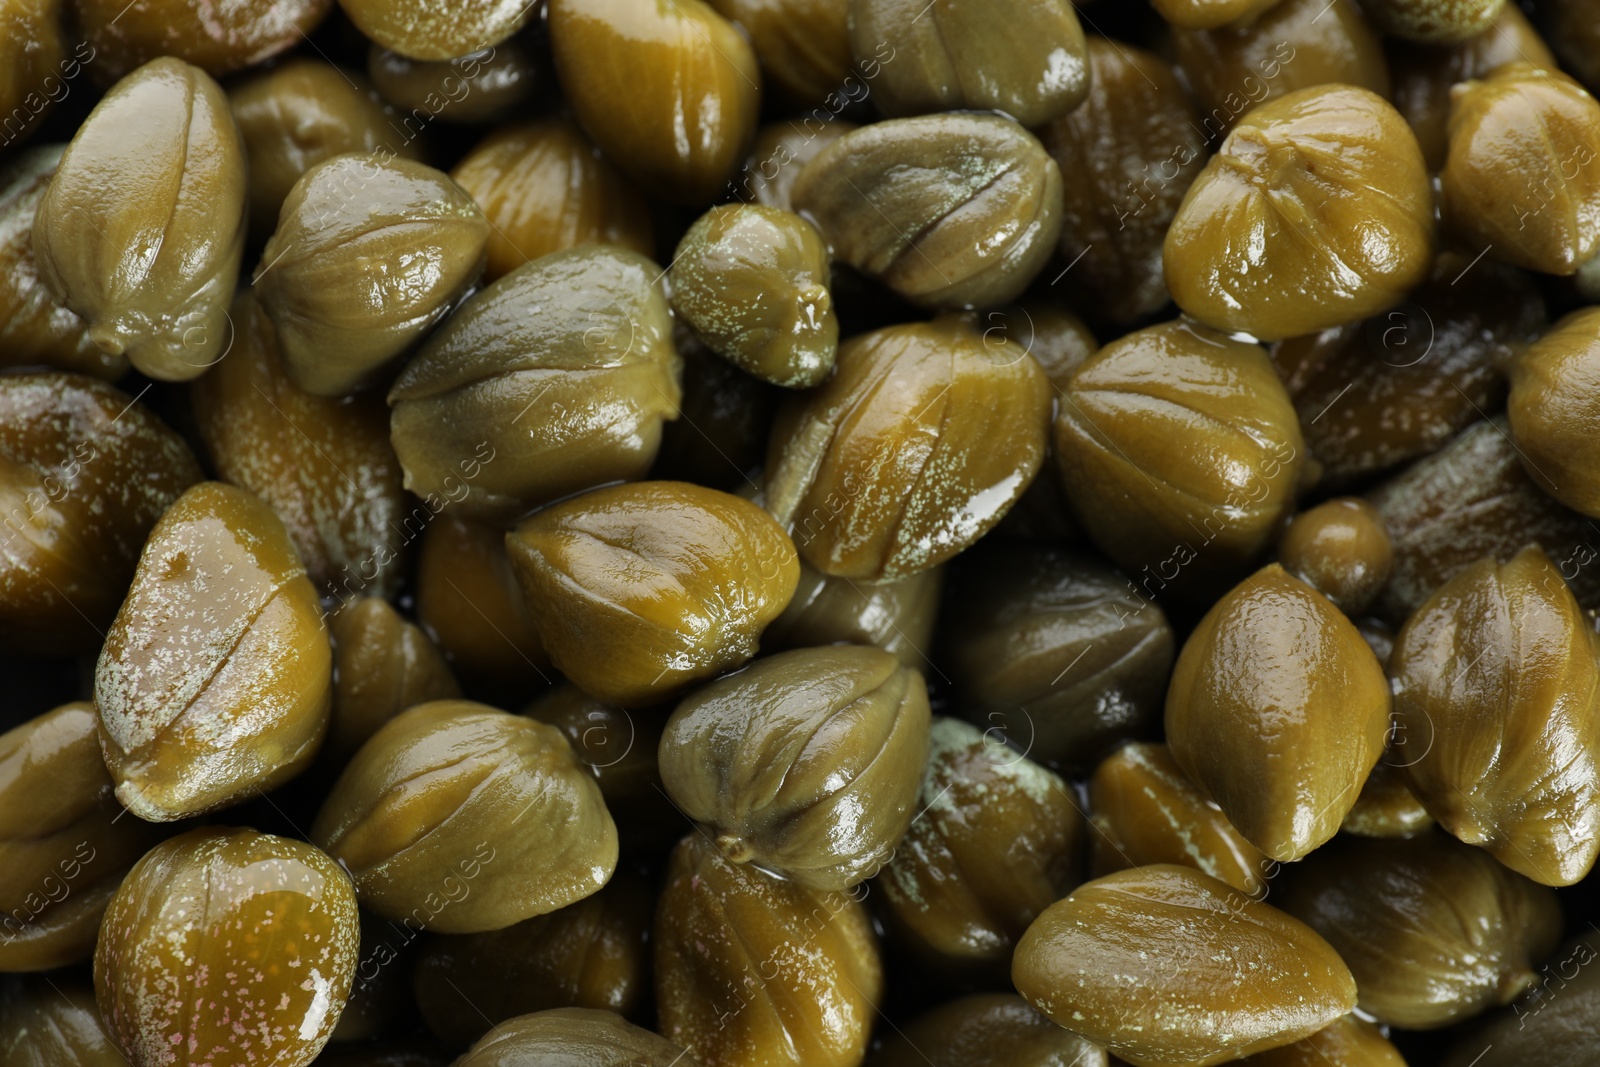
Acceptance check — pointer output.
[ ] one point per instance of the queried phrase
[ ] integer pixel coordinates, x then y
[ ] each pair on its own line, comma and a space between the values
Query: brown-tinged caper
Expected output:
49, 1022
996, 840
750, 969
1519, 175
435, 29
1433, 930
638, 590
670, 92
1553, 1025
1024, 58
1278, 710
371, 251
780, 153
260, 930
382, 666
806, 763
952, 210
543, 187
1058, 340
61, 846
1156, 509
502, 410
1144, 810
216, 676
803, 45
87, 472
587, 955
1127, 156
1496, 677
1342, 550
1387, 807
986, 1030
1554, 412
142, 227
493, 84
1164, 965
753, 282
1349, 1041
1434, 21
1262, 242
121, 38
298, 114
323, 464
578, 1036
1055, 652
897, 617
897, 463
462, 854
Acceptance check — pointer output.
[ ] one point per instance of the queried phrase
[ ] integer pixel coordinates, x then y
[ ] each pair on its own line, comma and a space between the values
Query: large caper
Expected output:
1434, 21
803, 45
122, 37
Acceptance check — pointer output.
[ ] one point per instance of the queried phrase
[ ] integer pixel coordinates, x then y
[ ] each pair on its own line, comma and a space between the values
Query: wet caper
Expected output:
249, 31
1553, 412
491, 84
46, 1022
1342, 550
435, 29
576, 1036
382, 666
897, 617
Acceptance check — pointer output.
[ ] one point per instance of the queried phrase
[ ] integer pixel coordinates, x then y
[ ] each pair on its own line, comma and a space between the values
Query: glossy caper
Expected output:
490, 84
601, 1038
803, 45
382, 666
49, 1023
1552, 412
1341, 549
122, 38
897, 617
433, 29
1435, 21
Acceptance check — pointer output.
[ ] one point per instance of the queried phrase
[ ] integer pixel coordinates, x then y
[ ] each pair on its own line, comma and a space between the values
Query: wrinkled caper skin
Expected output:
1259, 244
501, 410
1179, 517
986, 1030
1126, 157
1145, 810
896, 463
803, 45
35, 328
194, 31
543, 187
587, 955
510, 826
1434, 21
1535, 197
264, 928
806, 763
1342, 550
753, 282
781, 151
298, 114
751, 969
1433, 930
382, 666
950, 211
485, 85
996, 840
87, 472
1025, 58
33, 63
1209, 14
435, 29
1553, 410
49, 1022
1230, 975
638, 590
897, 617
1496, 676
1349, 1041
578, 1036
63, 848
371, 251
1053, 651
1278, 710
670, 92
1554, 1025
324, 465
142, 227
1387, 807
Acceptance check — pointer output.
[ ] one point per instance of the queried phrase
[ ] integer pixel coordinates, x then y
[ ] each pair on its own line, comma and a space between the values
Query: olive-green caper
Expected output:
502, 410
323, 464
1164, 965
638, 590
1553, 410
371, 251
142, 227
1433, 930
1533, 197
953, 210
48, 1022
1342, 550
583, 1036
1025, 58
996, 840
897, 463
1260, 243
897, 617
986, 1030
806, 763
1278, 709
751, 969
434, 29
87, 471
1349, 1041
803, 45
462, 856
780, 153
382, 666
195, 31
260, 930
1387, 807
216, 676
753, 282
1434, 21
491, 84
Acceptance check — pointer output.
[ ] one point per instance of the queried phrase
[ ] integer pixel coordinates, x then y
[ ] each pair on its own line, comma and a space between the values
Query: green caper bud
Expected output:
825, 812
382, 665
1434, 21
215, 679
574, 1036
1387, 807
433, 29
986, 1030
1342, 550
1552, 410
753, 282
371, 251
1433, 930
753, 969
950, 211
897, 617
483, 85
896, 463
510, 827
803, 45
503, 410
160, 154
249, 32
49, 1022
